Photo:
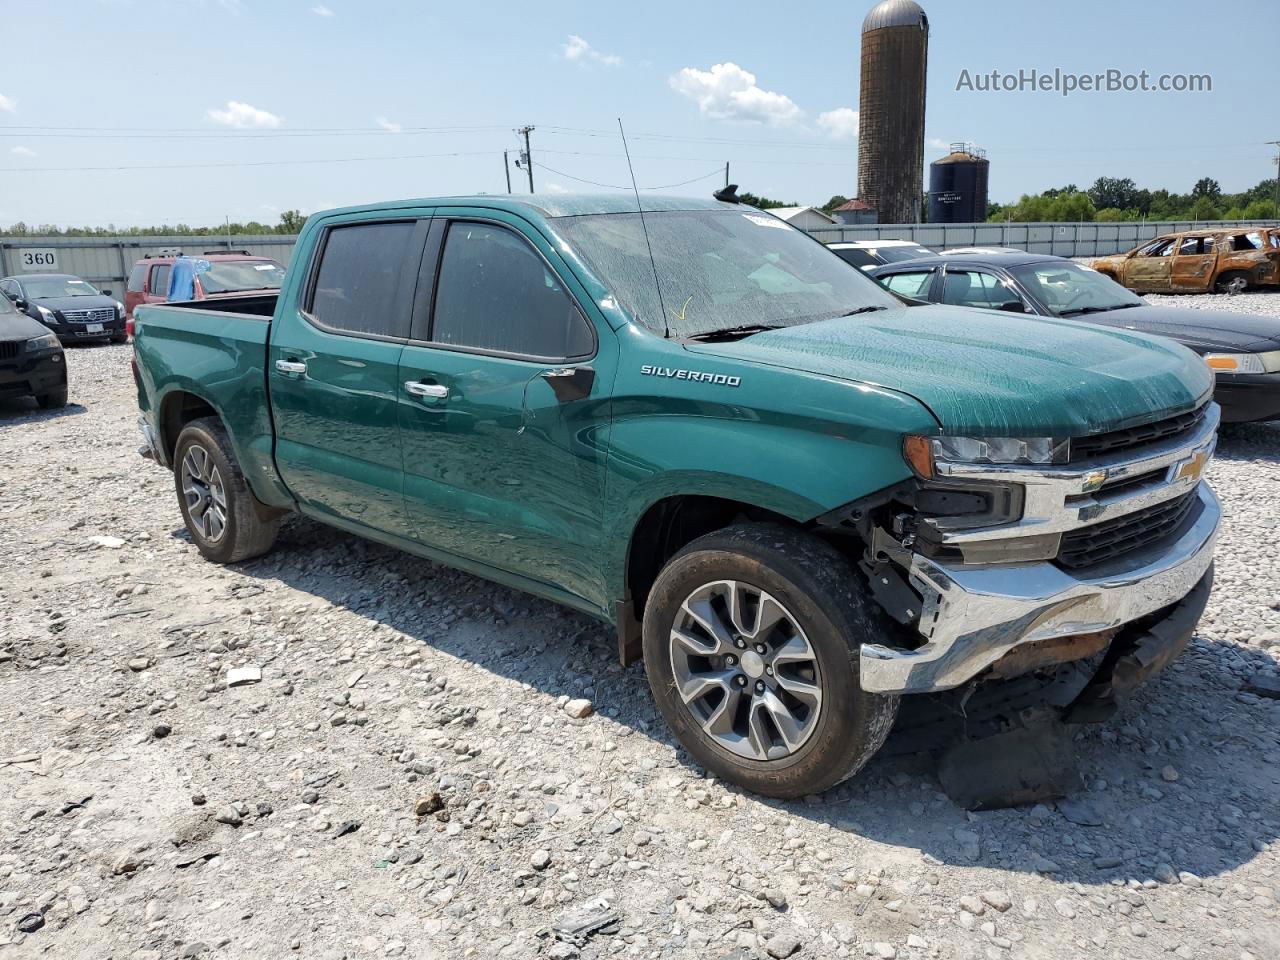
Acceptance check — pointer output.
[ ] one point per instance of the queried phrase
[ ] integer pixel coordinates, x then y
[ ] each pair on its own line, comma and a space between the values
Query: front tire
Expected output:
225, 520
751, 638
1232, 284
53, 399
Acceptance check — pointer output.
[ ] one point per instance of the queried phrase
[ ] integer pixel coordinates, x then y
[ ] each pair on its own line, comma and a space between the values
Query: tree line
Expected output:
291, 222
1113, 199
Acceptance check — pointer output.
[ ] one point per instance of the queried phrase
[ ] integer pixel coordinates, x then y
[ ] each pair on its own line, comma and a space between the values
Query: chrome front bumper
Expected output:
980, 613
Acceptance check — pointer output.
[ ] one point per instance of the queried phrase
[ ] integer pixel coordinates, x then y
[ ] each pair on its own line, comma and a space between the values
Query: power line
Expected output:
626, 186
247, 163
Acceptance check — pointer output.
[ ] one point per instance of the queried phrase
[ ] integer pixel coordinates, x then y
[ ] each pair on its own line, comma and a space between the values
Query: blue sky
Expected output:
256, 85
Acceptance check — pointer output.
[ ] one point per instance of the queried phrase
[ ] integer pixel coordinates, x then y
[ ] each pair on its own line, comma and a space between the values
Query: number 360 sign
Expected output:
42, 259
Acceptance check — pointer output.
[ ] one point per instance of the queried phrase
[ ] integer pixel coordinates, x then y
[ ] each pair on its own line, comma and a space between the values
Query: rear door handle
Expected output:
291, 366
432, 391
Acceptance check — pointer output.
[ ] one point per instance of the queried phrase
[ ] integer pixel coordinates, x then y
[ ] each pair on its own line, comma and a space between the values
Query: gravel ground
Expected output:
406, 778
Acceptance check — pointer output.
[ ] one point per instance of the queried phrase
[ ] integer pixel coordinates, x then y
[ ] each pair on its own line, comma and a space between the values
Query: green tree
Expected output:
1260, 210
1204, 209
1114, 192
764, 203
836, 201
1206, 187
291, 221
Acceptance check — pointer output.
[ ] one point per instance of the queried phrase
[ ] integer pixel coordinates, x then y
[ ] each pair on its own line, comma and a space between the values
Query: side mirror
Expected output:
106, 293
1014, 306
21, 304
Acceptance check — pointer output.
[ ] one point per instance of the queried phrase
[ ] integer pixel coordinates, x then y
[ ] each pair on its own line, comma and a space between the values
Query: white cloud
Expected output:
938, 144
387, 125
7, 105
727, 92
244, 116
555, 188
581, 51
840, 123
23, 152
320, 10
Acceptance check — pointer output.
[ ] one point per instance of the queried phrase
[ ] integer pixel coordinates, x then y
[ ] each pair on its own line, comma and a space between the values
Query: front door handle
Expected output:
291, 366
432, 391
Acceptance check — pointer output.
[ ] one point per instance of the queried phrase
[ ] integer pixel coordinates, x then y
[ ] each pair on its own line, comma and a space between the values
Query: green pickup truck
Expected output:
794, 495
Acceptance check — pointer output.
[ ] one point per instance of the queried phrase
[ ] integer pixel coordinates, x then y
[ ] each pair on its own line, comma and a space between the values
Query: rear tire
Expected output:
53, 399
1231, 283
800, 723
227, 523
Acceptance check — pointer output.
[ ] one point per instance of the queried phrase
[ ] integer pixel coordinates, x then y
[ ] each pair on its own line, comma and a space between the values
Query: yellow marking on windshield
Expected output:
680, 315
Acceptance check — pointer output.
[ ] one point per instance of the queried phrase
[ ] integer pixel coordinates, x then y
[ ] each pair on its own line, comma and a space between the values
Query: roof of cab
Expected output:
549, 205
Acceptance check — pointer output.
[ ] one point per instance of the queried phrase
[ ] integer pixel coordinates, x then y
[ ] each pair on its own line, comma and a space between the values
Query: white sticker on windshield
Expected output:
264, 266
760, 221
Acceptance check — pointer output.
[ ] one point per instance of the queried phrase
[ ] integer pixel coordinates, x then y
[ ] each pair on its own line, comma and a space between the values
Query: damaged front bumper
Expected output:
981, 613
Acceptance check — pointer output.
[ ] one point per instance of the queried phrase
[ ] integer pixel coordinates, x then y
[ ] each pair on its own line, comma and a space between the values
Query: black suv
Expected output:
72, 308
31, 360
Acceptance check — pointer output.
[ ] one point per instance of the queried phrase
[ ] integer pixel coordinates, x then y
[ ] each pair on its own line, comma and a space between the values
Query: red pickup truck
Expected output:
230, 274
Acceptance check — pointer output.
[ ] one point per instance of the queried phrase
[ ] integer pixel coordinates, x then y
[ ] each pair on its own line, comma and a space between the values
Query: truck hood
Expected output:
982, 372
1201, 330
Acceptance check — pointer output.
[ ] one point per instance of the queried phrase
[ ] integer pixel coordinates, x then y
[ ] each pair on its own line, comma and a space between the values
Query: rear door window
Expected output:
496, 294
160, 280
857, 257
137, 277
359, 287
915, 284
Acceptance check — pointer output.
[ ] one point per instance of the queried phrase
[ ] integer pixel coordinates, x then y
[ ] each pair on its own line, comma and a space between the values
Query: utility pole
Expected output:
506, 168
726, 173
1276, 144
527, 156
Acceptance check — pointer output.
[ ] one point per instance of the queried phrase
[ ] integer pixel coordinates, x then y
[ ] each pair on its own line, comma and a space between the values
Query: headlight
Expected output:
45, 312
44, 342
119, 308
1243, 362
922, 453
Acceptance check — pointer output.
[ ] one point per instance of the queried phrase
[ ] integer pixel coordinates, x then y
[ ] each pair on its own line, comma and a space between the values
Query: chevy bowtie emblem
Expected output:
1192, 467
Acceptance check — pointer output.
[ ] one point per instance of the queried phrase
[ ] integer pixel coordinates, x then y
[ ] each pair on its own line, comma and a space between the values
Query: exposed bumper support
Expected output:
150, 448
978, 614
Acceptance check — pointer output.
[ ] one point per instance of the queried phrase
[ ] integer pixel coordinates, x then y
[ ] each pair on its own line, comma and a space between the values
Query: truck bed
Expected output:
261, 305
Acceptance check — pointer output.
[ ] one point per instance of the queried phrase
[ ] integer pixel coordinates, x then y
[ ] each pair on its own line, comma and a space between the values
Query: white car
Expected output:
869, 254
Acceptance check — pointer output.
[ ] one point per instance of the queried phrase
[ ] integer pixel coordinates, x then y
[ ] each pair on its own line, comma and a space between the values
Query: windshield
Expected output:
57, 287
1067, 288
234, 276
894, 254
719, 270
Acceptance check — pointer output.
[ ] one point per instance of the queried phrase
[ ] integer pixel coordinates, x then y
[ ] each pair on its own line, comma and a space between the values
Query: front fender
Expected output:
792, 443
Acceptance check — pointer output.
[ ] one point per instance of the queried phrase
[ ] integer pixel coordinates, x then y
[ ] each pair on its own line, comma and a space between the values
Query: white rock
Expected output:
578, 708
238, 676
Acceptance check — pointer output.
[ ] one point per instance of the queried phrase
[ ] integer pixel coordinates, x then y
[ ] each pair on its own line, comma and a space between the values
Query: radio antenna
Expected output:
666, 328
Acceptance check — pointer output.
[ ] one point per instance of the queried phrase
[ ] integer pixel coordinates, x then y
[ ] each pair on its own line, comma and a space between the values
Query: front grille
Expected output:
9, 349
100, 315
1114, 538
1101, 444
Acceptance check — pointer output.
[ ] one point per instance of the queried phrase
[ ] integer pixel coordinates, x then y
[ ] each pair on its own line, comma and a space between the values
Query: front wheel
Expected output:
224, 518
53, 399
751, 638
1231, 284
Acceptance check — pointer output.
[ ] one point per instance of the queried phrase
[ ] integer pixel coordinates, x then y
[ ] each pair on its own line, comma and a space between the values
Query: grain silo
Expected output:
958, 186
895, 48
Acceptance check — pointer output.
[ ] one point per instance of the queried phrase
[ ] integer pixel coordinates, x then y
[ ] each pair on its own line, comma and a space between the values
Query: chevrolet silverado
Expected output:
795, 497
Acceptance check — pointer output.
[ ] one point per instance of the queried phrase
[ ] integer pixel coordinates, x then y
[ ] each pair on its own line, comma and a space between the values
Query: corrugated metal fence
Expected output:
106, 261
1060, 239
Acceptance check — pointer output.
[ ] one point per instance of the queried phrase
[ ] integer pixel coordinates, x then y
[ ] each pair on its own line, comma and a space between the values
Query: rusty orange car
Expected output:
1199, 261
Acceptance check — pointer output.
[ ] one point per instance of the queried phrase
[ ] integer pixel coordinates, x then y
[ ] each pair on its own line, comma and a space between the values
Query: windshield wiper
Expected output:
1076, 311
870, 308
733, 333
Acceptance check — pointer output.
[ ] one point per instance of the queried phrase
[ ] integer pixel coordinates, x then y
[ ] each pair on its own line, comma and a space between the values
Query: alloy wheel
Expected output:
202, 488
745, 670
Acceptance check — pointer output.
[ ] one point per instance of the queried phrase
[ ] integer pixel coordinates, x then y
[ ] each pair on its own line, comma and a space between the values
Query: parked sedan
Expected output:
1243, 349
868, 254
31, 360
1199, 261
72, 308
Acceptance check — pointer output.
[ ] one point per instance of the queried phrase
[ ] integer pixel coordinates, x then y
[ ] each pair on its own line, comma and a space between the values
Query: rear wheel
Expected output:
751, 638
1231, 283
224, 518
